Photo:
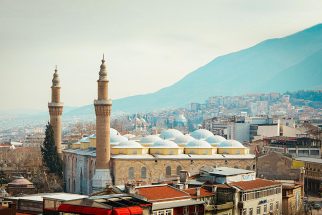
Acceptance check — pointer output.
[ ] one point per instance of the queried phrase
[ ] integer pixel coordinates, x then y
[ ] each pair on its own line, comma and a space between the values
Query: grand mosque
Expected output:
108, 158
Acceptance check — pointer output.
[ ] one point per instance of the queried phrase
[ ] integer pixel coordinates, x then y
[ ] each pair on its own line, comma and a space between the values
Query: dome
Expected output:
215, 139
116, 139
183, 140
201, 134
129, 136
198, 144
84, 140
170, 134
128, 144
150, 139
231, 144
114, 132
164, 144
20, 181
92, 136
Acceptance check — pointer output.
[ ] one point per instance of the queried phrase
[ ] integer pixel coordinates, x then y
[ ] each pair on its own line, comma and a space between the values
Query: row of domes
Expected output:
170, 138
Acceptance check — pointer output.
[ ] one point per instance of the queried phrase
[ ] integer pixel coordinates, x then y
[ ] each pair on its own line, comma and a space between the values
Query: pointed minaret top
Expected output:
56, 80
103, 71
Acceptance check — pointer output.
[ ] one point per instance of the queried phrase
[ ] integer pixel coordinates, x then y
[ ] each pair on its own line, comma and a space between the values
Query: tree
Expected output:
49, 153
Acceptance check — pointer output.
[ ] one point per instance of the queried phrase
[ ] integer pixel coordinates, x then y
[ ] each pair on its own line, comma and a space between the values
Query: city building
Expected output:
292, 198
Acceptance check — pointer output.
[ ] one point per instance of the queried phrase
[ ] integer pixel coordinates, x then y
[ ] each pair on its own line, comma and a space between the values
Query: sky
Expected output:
148, 44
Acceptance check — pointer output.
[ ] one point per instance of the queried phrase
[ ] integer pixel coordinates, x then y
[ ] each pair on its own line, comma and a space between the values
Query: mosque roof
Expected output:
231, 144
170, 134
150, 139
215, 139
129, 144
164, 144
183, 139
201, 134
84, 140
198, 144
116, 139
20, 181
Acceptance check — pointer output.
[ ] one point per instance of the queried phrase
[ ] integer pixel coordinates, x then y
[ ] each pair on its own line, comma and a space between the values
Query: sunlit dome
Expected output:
183, 139
116, 139
201, 134
128, 144
198, 144
129, 136
164, 144
231, 144
170, 134
92, 136
84, 140
150, 139
114, 132
215, 139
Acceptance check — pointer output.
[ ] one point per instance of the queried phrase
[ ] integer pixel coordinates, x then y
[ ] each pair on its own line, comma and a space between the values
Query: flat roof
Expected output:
307, 159
227, 171
173, 204
40, 196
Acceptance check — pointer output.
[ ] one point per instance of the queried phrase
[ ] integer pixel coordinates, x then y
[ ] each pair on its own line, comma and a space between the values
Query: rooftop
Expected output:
254, 184
203, 192
227, 171
161, 193
307, 159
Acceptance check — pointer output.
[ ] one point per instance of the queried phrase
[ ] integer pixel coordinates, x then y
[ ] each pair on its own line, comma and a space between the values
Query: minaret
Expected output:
56, 110
103, 106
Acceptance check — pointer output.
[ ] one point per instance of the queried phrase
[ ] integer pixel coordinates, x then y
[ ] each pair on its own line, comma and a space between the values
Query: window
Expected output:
179, 168
244, 212
277, 204
250, 211
185, 211
131, 173
265, 209
168, 212
271, 207
143, 172
168, 171
259, 210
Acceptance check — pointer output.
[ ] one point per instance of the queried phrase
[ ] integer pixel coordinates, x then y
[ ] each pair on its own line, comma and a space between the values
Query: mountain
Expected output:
276, 65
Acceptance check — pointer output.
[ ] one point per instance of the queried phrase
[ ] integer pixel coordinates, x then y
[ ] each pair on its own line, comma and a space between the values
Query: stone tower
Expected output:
56, 110
103, 106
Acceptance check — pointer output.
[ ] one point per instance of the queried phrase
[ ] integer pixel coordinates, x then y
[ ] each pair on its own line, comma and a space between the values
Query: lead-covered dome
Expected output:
164, 144
201, 134
170, 134
215, 139
198, 144
116, 139
150, 139
231, 144
183, 140
128, 144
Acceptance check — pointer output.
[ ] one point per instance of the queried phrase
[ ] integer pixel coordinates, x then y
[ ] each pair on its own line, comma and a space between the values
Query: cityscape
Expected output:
239, 135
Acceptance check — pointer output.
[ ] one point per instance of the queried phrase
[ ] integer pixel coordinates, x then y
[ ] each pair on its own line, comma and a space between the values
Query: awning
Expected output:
121, 211
135, 210
83, 210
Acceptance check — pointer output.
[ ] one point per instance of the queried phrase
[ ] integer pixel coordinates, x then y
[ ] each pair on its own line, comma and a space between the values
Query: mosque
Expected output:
107, 157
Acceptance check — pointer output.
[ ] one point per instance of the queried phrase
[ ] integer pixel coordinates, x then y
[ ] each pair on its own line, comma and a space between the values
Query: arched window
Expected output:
131, 173
74, 186
179, 168
168, 171
81, 182
143, 172
69, 186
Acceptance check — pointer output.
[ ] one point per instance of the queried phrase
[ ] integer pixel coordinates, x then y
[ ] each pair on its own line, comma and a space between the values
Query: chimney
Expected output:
130, 188
198, 191
184, 175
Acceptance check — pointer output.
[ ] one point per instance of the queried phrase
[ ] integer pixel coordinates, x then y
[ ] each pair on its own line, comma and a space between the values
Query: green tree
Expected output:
49, 153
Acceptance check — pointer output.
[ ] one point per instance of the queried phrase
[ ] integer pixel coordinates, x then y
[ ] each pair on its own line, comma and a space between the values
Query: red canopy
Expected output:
135, 210
83, 210
121, 211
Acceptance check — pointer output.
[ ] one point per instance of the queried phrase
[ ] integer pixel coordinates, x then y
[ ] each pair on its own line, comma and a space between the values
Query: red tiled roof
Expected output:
203, 192
161, 193
254, 184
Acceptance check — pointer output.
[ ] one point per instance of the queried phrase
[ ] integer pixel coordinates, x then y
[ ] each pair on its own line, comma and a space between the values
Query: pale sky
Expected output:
148, 44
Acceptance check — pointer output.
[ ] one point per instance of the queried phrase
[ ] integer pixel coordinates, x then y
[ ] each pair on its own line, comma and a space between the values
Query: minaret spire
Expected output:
55, 110
103, 106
